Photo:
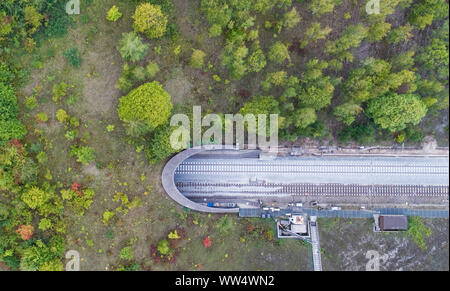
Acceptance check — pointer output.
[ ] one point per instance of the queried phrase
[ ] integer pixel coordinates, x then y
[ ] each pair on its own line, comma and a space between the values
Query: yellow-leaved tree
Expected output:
150, 20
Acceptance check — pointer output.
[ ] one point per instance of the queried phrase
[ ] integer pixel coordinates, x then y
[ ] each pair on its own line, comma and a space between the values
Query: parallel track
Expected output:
272, 189
363, 168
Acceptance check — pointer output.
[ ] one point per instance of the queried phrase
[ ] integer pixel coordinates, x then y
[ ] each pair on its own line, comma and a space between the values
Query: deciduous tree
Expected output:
149, 104
150, 20
394, 112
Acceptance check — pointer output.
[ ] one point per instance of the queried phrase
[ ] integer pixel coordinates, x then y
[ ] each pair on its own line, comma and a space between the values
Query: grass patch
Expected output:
418, 231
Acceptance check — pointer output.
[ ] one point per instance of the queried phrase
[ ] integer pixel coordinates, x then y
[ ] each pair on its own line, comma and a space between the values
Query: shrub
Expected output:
107, 216
139, 74
8, 102
84, 155
215, 30
42, 117
72, 56
25, 231
164, 247
45, 224
150, 20
11, 129
113, 14
152, 69
362, 133
31, 102
59, 91
42, 158
62, 115
79, 201
224, 224
418, 231
131, 48
126, 253
160, 146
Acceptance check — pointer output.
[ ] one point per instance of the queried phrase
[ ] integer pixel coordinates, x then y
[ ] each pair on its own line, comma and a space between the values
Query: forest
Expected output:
86, 100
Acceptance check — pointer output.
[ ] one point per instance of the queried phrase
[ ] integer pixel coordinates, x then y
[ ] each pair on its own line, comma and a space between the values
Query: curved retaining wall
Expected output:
168, 181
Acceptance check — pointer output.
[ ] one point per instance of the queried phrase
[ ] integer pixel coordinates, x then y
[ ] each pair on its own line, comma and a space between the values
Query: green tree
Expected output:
160, 146
35, 197
11, 129
394, 112
400, 34
362, 133
403, 61
45, 224
261, 105
39, 256
215, 30
277, 78
320, 7
150, 20
347, 112
378, 30
5, 24
8, 102
33, 18
372, 79
233, 58
314, 33
132, 48
423, 12
352, 37
279, 53
257, 61
198, 59
149, 104
291, 18
435, 58
315, 90
304, 117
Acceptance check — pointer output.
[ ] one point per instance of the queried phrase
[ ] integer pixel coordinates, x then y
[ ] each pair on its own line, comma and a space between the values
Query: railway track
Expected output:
287, 168
274, 189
